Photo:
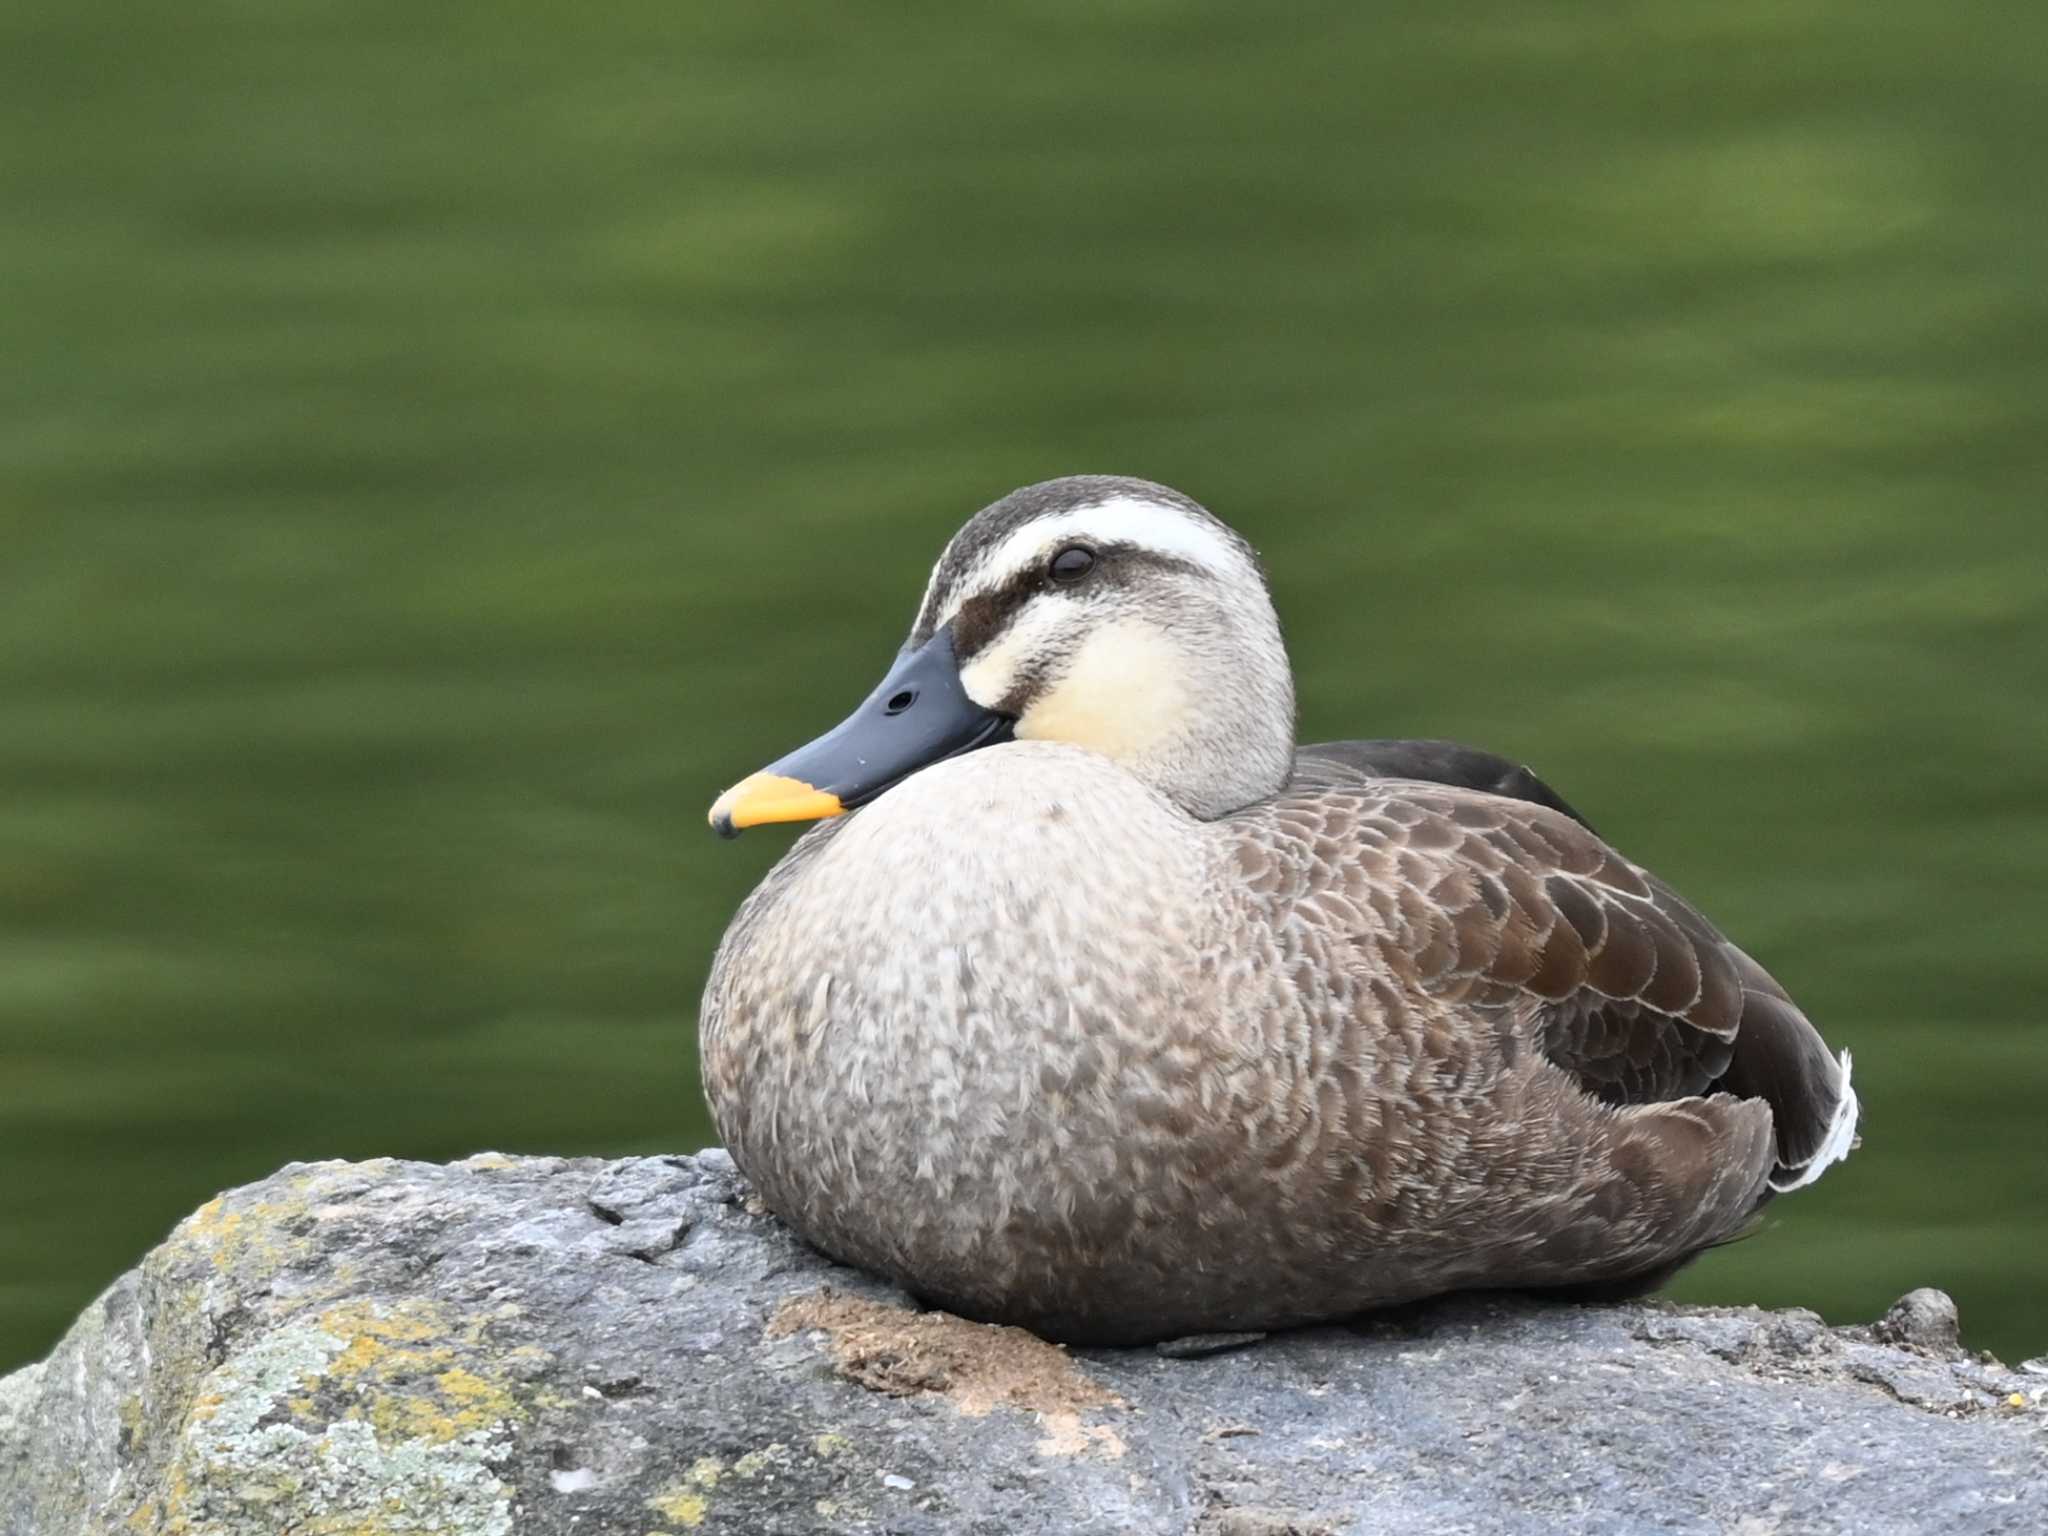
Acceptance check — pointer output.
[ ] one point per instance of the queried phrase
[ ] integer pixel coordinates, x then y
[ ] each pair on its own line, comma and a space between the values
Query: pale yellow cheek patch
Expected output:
1124, 694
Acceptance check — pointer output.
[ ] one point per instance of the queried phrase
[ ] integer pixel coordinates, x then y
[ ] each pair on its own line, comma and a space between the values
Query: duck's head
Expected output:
1110, 613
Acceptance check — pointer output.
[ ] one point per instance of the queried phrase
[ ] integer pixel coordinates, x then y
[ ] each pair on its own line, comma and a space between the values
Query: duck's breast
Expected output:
977, 1006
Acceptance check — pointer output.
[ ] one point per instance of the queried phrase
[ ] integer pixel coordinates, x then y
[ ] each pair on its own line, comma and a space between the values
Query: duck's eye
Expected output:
1072, 563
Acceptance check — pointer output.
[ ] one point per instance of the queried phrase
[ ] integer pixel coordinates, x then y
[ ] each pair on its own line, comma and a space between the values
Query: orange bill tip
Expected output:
761, 798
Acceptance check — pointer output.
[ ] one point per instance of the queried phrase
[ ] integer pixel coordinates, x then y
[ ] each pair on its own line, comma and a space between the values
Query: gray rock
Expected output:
541, 1346
1925, 1320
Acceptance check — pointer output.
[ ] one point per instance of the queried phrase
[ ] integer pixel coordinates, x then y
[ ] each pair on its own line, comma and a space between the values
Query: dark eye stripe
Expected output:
982, 617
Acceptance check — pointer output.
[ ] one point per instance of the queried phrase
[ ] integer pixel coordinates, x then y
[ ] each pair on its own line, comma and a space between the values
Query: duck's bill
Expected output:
916, 716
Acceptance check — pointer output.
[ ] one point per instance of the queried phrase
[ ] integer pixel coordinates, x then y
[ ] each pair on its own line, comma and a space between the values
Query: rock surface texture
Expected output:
532, 1345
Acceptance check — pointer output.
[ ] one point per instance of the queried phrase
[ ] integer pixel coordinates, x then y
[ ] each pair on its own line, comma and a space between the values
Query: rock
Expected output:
541, 1346
1925, 1320
1195, 1346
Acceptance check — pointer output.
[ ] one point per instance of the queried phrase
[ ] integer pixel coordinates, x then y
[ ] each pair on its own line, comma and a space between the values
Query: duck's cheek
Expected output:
1124, 694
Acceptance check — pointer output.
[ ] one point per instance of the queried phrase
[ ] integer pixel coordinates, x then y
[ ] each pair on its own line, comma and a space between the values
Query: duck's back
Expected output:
1431, 762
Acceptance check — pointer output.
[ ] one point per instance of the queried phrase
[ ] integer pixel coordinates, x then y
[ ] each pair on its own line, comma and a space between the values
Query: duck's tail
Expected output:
1780, 1058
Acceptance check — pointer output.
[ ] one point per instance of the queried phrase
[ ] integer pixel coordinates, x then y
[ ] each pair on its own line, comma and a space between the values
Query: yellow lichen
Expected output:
253, 1236
705, 1472
399, 1360
461, 1403
170, 1519
358, 1379
465, 1386
220, 1229
754, 1462
206, 1405
367, 1328
831, 1445
678, 1504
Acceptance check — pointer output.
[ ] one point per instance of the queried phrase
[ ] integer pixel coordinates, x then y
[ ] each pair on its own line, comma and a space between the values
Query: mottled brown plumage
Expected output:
1028, 1036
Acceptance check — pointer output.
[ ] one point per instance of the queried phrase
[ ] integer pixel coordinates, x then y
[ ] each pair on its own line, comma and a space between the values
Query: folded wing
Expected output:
1509, 903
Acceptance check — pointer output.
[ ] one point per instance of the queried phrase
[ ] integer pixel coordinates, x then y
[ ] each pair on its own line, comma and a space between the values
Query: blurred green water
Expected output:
440, 447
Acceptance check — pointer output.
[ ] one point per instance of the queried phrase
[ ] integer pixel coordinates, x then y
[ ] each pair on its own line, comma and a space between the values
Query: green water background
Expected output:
441, 446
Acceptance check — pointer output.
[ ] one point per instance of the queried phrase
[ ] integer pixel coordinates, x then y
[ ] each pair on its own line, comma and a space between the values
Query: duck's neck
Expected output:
1235, 741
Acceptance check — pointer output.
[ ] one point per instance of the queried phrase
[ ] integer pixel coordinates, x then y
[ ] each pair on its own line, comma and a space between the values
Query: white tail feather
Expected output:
1834, 1146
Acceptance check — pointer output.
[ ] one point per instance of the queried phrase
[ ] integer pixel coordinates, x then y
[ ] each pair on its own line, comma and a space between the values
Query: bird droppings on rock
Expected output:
975, 1366
399, 1348
1066, 1435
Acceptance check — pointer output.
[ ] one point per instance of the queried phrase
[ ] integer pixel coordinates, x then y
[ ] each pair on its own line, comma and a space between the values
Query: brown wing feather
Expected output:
1516, 910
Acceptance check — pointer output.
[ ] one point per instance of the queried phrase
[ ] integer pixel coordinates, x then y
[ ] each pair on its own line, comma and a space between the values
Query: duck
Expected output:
1093, 1003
